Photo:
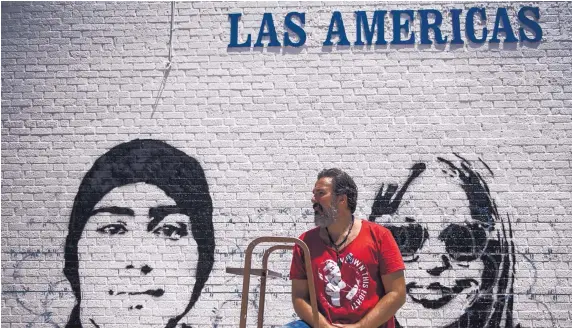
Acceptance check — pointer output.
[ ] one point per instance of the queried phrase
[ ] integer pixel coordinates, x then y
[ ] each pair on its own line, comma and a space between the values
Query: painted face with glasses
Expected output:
448, 230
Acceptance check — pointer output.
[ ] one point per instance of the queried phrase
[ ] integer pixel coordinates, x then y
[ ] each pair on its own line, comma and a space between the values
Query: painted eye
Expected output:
410, 238
464, 242
172, 231
113, 229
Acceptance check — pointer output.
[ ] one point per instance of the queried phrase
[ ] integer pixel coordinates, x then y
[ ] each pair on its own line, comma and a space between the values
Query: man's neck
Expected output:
340, 226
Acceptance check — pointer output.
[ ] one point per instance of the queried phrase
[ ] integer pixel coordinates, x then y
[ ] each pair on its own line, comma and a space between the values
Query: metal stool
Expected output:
281, 243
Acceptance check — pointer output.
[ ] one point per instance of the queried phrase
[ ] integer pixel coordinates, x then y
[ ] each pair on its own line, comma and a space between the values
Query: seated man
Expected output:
358, 269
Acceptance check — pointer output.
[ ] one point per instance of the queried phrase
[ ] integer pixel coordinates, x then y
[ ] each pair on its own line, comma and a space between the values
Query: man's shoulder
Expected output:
375, 228
310, 234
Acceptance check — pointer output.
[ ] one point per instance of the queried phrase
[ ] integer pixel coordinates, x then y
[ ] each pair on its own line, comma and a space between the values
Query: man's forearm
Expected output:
304, 311
382, 311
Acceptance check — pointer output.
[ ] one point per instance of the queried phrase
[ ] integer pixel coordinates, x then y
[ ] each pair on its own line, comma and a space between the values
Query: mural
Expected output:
101, 230
140, 243
458, 249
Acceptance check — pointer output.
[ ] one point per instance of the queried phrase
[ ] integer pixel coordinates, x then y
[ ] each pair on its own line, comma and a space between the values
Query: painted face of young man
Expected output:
324, 202
441, 244
137, 259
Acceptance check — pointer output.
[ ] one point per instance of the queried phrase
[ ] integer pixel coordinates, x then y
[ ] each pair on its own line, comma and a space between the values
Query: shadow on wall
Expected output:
458, 250
128, 242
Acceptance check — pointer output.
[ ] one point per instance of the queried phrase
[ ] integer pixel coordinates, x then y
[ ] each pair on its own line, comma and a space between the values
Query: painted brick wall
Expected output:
79, 79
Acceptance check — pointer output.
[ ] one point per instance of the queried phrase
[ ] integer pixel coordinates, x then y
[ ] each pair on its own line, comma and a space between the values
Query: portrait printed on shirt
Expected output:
345, 284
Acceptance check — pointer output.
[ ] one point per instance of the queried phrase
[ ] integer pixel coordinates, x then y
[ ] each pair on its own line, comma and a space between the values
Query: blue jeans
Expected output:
296, 324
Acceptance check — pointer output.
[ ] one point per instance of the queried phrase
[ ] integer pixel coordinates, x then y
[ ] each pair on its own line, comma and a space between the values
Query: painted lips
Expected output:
151, 292
441, 295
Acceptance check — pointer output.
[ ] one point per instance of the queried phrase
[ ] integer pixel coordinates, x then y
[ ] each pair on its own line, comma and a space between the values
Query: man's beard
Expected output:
325, 217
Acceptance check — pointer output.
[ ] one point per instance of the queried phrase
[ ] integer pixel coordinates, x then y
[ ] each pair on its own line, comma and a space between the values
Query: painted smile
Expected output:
435, 295
151, 292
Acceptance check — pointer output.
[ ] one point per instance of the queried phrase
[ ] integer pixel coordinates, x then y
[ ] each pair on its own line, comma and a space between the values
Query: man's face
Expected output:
324, 202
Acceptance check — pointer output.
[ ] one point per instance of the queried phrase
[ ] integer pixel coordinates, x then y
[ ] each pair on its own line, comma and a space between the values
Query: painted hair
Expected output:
492, 307
157, 163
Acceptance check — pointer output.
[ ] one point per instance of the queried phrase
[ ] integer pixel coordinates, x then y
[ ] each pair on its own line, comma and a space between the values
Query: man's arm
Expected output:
394, 285
301, 302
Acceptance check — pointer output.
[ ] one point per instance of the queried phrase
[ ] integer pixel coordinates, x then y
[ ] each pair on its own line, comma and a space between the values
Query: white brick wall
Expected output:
81, 78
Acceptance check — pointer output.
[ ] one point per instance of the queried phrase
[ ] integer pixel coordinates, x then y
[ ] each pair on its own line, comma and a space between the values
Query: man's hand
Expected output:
301, 302
394, 298
341, 325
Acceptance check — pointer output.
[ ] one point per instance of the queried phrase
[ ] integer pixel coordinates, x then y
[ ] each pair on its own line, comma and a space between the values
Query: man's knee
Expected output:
296, 324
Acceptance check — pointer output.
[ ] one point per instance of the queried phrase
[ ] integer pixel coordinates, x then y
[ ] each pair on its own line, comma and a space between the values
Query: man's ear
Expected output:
343, 199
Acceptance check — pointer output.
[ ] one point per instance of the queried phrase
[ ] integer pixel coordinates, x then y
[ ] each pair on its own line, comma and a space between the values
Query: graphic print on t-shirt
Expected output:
346, 286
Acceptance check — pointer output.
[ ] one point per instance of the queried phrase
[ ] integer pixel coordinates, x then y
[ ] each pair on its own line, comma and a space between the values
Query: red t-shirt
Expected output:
345, 296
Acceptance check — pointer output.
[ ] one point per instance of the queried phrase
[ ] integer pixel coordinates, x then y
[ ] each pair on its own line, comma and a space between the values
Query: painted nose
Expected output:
445, 265
145, 269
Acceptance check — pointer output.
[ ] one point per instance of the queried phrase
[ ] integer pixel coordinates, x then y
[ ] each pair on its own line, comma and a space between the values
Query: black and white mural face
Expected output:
457, 248
140, 244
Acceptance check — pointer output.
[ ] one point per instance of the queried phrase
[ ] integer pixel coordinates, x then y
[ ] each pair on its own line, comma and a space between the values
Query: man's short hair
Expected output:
343, 185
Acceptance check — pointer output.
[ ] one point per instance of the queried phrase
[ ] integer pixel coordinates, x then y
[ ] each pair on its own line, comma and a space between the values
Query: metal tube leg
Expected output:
247, 269
246, 285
